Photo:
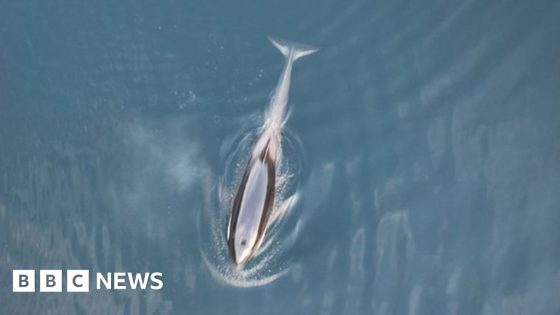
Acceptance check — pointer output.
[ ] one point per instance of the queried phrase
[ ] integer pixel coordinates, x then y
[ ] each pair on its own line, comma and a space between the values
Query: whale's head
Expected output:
244, 246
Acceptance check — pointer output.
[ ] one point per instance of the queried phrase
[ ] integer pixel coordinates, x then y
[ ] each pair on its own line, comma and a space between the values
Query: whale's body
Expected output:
252, 207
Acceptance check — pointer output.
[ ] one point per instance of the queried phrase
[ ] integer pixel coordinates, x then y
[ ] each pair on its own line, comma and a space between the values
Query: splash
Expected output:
274, 257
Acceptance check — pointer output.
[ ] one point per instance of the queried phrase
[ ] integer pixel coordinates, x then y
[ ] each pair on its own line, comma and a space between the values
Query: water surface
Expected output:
428, 149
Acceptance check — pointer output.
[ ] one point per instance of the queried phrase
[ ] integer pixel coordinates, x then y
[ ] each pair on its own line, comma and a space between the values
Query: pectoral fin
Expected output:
283, 208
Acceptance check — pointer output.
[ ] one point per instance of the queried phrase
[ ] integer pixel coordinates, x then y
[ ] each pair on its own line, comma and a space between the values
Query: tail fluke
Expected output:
286, 47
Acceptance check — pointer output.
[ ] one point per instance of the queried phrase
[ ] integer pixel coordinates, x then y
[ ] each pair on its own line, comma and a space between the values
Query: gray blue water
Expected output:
423, 142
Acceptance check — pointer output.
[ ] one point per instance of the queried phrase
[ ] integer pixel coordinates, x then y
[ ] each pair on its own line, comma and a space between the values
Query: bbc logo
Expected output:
50, 281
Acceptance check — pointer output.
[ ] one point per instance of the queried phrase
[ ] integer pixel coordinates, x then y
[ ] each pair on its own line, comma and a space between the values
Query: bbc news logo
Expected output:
78, 281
